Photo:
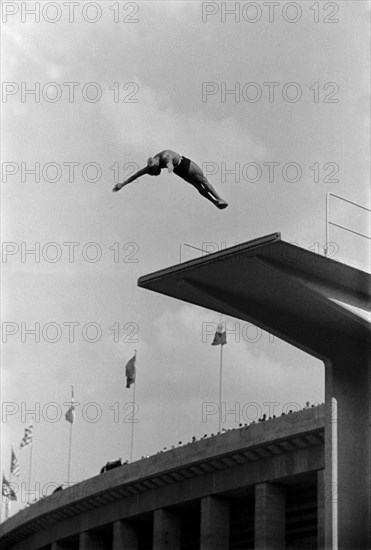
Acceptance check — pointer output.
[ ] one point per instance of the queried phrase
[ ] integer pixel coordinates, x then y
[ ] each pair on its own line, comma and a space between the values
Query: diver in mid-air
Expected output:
182, 167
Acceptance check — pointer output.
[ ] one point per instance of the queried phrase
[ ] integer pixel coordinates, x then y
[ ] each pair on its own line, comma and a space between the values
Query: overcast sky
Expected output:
158, 73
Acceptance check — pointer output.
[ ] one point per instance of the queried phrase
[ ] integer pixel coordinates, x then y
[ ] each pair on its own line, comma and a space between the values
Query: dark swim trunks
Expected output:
182, 170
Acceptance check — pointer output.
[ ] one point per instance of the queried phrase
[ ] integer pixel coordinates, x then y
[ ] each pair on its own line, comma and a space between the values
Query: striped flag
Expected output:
220, 337
14, 464
70, 414
27, 438
130, 370
7, 491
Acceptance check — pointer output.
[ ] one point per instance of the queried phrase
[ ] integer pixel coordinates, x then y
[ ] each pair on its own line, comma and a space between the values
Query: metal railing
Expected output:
190, 246
328, 222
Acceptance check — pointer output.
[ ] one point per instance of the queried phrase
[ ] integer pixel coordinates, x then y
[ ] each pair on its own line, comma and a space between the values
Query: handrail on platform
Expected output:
328, 222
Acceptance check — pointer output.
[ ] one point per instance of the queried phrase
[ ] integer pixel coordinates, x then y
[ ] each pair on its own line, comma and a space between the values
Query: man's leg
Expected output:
197, 178
203, 191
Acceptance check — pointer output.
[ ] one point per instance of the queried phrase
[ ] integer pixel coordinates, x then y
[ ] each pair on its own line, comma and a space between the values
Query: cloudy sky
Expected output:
116, 83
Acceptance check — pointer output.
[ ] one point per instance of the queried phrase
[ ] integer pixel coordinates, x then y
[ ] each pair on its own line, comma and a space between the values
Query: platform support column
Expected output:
320, 509
89, 541
166, 530
270, 517
214, 523
347, 447
124, 536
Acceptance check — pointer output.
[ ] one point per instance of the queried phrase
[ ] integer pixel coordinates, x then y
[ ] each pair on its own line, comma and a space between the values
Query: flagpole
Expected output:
221, 376
10, 485
29, 474
132, 423
4, 502
132, 426
220, 387
3, 507
69, 455
7, 504
70, 442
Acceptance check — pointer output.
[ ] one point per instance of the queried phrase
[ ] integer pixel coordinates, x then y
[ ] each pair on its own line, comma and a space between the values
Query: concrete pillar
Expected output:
166, 530
124, 536
270, 517
89, 541
214, 524
347, 447
320, 509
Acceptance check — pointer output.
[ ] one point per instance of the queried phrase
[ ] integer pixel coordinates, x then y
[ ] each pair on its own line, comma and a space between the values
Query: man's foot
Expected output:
221, 204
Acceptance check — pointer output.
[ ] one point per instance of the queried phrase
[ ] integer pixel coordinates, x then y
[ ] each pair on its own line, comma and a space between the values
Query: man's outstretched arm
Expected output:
135, 176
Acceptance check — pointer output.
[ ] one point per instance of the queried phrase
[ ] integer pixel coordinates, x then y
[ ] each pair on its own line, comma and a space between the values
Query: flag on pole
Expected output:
70, 414
7, 491
27, 438
220, 337
130, 370
14, 464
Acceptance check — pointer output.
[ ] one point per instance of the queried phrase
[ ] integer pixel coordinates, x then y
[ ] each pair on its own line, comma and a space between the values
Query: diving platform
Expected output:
313, 303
